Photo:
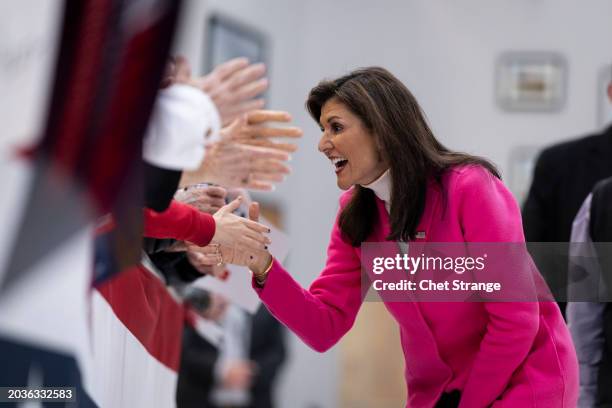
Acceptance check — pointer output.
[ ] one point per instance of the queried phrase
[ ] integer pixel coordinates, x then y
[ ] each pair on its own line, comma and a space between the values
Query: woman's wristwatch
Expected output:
260, 277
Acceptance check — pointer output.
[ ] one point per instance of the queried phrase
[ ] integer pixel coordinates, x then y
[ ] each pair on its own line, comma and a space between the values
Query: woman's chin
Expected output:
343, 184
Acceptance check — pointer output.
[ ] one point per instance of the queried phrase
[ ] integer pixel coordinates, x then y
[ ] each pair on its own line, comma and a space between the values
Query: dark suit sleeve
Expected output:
540, 215
198, 358
159, 186
539, 207
270, 357
175, 267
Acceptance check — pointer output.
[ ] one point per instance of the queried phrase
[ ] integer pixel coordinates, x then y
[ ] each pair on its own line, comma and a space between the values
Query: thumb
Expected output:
254, 211
233, 206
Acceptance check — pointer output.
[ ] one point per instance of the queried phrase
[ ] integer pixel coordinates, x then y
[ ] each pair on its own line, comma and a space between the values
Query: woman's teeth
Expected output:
339, 163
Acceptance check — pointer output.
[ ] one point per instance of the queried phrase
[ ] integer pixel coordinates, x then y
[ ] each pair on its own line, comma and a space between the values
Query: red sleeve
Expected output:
180, 221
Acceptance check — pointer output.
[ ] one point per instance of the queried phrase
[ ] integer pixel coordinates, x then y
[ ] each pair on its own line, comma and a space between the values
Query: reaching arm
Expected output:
180, 221
321, 315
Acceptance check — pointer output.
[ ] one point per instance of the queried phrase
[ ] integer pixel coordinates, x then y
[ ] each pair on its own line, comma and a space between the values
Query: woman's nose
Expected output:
324, 143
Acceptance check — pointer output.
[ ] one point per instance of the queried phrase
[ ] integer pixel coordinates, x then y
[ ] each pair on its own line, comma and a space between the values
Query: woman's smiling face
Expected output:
349, 145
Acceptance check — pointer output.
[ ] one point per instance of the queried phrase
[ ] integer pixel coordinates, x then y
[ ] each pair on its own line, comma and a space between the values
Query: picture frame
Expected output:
604, 107
531, 81
227, 38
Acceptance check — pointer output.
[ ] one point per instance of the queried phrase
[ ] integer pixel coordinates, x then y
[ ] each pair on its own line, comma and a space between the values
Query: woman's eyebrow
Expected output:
330, 119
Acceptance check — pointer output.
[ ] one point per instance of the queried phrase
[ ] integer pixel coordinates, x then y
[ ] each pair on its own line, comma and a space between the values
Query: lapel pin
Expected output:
420, 235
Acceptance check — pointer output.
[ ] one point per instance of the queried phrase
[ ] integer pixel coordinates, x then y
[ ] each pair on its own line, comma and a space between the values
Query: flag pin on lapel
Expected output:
420, 235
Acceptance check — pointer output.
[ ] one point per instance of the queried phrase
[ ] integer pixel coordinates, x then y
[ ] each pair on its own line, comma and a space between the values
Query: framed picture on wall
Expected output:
227, 38
604, 107
529, 81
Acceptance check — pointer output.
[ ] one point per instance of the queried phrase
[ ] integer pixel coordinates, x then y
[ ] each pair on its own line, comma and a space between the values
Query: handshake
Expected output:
239, 238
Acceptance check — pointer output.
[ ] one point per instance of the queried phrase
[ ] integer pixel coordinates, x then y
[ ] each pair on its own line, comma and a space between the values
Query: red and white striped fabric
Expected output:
136, 331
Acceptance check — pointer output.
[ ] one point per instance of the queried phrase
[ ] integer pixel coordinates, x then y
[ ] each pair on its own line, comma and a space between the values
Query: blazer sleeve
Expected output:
489, 213
181, 222
321, 315
538, 209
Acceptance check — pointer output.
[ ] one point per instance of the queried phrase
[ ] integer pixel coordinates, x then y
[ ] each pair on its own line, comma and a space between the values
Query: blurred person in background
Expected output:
404, 185
589, 315
563, 177
252, 353
198, 355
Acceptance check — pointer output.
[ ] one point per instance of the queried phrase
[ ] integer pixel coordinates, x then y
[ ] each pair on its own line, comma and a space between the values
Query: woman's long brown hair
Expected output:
393, 116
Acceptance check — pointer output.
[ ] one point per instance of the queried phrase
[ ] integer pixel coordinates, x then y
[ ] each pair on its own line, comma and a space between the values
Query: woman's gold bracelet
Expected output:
260, 278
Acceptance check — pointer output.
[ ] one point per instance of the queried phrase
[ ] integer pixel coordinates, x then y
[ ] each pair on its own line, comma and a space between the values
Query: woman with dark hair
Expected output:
403, 185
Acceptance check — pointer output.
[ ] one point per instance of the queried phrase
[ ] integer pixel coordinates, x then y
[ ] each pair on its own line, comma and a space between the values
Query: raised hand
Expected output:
232, 86
253, 129
237, 165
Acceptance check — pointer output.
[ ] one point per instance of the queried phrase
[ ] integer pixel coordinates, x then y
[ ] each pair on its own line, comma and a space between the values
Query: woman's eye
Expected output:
336, 127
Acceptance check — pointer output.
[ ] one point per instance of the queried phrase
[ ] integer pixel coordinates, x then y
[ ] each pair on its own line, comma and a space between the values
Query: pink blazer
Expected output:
497, 354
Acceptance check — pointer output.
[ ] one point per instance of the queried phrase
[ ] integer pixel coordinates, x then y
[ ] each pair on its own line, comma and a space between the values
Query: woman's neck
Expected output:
382, 187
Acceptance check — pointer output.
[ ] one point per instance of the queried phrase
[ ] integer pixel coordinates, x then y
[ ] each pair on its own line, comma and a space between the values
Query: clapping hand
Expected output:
232, 85
253, 129
237, 165
247, 156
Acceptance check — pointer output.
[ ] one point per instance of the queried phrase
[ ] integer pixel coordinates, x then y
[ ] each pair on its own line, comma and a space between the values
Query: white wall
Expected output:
445, 51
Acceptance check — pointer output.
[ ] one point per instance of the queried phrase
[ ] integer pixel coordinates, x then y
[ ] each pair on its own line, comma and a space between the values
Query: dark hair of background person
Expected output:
393, 116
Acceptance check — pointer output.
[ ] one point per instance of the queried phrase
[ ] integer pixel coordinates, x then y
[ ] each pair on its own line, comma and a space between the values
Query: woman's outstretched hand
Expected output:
240, 234
258, 261
235, 255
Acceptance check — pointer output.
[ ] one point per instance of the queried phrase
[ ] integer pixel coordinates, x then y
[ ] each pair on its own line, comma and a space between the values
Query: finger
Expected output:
247, 244
182, 69
207, 250
255, 226
216, 191
216, 202
197, 258
266, 131
286, 147
266, 115
259, 186
263, 153
250, 90
258, 237
246, 76
270, 166
205, 269
274, 177
208, 260
230, 67
242, 108
233, 206
254, 211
